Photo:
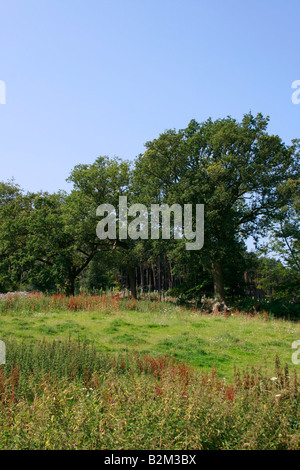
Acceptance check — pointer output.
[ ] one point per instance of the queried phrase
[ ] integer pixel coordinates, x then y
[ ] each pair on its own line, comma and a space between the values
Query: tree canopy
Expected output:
246, 178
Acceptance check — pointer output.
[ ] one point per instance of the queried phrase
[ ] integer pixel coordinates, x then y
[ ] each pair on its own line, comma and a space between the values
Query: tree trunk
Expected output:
142, 276
170, 277
154, 276
70, 286
132, 281
217, 273
159, 274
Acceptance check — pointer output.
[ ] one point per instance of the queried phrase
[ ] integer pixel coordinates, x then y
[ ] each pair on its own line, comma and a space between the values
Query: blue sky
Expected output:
89, 78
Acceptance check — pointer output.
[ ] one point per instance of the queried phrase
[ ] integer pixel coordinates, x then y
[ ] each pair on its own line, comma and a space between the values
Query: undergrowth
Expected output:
67, 395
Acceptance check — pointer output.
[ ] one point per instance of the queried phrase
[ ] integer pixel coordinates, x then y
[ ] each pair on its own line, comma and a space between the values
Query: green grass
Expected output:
143, 375
201, 340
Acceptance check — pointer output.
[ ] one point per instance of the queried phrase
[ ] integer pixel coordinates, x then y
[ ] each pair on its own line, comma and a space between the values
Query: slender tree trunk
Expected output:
147, 277
170, 277
154, 277
132, 281
142, 276
159, 274
217, 273
136, 281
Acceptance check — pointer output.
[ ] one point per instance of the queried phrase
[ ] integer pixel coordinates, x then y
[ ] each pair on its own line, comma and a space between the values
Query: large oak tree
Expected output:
234, 168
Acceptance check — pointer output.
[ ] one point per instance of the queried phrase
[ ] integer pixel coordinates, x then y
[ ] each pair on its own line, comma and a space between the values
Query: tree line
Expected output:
247, 179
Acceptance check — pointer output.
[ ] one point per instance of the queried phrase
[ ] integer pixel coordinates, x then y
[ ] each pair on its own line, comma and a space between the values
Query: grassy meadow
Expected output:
110, 373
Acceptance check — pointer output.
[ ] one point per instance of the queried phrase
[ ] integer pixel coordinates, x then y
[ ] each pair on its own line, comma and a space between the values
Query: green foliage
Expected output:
277, 281
247, 179
49, 239
234, 169
285, 243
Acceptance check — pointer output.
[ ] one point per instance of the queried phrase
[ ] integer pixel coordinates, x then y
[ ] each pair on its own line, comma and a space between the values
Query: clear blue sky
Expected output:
102, 77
